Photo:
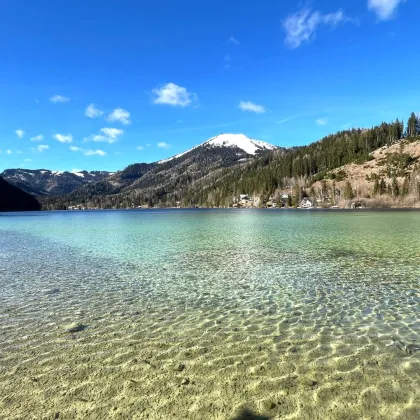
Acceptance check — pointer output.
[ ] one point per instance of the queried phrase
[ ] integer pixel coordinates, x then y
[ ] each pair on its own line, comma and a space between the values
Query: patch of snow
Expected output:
44, 172
79, 174
240, 141
248, 145
57, 172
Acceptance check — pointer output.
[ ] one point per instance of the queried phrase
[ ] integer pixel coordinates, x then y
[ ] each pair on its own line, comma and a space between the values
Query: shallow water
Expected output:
200, 314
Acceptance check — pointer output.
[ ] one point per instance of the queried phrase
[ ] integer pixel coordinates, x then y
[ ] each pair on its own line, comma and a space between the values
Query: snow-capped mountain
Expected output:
234, 141
43, 182
168, 177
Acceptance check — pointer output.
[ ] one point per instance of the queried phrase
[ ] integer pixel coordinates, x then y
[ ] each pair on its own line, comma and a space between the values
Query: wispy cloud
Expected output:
321, 121
27, 160
233, 40
384, 9
20, 133
93, 112
140, 148
42, 147
172, 94
63, 138
250, 106
163, 145
108, 135
8, 152
287, 119
88, 152
59, 99
39, 137
119, 115
301, 26
96, 152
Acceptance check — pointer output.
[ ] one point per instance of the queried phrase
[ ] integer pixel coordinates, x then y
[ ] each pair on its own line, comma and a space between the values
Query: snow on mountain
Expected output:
240, 141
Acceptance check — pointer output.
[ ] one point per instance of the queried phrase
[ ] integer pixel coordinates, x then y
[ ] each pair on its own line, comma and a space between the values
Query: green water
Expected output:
201, 314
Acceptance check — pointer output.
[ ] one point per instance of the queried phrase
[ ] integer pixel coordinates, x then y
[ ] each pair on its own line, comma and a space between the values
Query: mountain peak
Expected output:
240, 141
248, 145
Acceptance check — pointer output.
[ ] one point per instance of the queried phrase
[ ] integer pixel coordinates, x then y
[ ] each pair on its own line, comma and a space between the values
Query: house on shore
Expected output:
306, 203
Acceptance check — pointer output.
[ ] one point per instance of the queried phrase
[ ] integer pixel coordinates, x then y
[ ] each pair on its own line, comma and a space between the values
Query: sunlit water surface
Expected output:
200, 314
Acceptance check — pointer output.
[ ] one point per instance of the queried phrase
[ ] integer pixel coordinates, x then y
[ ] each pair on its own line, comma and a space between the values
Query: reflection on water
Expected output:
210, 314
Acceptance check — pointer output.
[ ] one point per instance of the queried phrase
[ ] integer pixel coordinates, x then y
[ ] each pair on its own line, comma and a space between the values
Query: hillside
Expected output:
376, 165
43, 182
14, 199
165, 183
390, 178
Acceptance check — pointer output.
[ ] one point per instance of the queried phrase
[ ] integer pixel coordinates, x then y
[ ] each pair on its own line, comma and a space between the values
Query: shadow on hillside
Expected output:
246, 414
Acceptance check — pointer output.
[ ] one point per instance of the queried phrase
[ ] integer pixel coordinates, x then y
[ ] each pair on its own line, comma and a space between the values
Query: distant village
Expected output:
282, 200
247, 201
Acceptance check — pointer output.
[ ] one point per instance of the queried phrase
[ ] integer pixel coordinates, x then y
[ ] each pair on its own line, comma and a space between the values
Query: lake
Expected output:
200, 314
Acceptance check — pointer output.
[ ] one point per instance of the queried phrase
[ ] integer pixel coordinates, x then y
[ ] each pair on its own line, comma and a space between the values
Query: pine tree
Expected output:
348, 191
382, 186
395, 188
412, 125
405, 187
297, 195
376, 187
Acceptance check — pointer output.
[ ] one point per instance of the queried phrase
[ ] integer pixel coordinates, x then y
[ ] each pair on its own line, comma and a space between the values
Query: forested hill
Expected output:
14, 199
187, 182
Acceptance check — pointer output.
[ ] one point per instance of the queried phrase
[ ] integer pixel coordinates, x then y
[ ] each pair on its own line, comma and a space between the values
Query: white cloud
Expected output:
63, 138
93, 112
88, 152
8, 151
384, 9
37, 138
59, 98
20, 133
113, 133
96, 152
42, 147
108, 135
28, 160
140, 147
249, 106
301, 26
120, 115
172, 94
321, 121
163, 145
233, 40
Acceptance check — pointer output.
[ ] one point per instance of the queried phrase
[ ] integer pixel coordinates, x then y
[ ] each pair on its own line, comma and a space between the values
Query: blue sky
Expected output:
92, 85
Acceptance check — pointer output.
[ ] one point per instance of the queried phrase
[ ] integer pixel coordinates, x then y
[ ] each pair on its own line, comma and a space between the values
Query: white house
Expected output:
306, 203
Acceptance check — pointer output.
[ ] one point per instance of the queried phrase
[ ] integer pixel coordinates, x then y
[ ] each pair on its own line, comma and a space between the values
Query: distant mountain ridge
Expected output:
44, 182
168, 181
161, 178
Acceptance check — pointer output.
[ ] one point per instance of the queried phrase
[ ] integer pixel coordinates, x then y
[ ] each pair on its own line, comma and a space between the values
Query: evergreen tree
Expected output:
382, 186
348, 191
405, 187
395, 188
296, 195
412, 125
376, 187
